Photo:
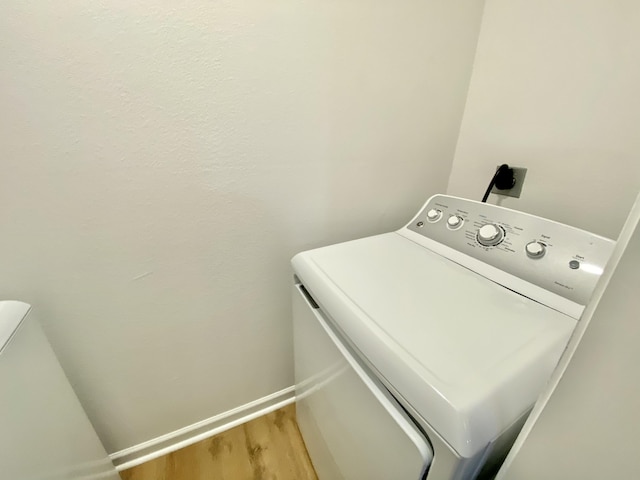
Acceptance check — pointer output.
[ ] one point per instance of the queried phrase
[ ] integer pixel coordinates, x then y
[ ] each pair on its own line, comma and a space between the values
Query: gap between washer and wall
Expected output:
183, 437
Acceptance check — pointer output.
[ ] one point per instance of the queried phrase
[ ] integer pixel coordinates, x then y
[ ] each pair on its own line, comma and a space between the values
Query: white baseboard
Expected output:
170, 442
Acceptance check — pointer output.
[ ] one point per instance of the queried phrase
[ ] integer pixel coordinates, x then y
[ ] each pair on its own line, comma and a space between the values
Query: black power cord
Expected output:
503, 179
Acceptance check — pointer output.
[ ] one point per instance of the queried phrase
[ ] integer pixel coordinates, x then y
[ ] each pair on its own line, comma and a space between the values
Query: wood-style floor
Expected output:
267, 448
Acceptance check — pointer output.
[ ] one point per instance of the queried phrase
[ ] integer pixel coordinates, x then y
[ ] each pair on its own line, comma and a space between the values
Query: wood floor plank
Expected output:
267, 448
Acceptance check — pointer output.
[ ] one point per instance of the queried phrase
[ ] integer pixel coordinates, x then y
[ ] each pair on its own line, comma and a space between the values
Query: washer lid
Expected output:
468, 354
11, 314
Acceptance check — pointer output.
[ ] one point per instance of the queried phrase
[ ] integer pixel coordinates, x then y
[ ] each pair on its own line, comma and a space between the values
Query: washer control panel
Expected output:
559, 258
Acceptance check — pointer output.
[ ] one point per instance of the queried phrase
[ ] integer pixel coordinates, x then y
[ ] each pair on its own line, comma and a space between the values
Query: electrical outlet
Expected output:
519, 174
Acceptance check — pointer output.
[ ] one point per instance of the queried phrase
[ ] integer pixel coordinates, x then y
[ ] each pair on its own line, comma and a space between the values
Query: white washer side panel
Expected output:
44, 432
352, 427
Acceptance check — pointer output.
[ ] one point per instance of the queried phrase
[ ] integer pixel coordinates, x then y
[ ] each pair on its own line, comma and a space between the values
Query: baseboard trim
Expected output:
170, 442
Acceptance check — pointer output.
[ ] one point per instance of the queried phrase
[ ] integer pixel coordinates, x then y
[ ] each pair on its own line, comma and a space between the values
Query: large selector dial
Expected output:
490, 235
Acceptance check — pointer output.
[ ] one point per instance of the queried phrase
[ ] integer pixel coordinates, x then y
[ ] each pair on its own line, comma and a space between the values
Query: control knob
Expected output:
454, 222
434, 215
535, 249
490, 235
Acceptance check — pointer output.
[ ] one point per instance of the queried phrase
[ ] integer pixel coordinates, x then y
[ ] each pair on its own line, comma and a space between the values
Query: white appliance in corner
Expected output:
419, 353
44, 431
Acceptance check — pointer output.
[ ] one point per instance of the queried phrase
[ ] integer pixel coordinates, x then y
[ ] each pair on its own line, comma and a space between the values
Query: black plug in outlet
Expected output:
505, 179
509, 182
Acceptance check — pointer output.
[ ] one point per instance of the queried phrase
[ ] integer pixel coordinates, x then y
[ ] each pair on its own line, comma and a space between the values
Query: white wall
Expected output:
555, 89
162, 161
586, 425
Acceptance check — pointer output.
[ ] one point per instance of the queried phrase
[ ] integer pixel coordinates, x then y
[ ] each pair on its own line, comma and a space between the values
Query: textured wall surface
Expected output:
162, 161
554, 89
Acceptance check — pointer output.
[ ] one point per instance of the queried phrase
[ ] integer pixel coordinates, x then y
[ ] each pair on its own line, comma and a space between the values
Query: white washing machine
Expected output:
419, 353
